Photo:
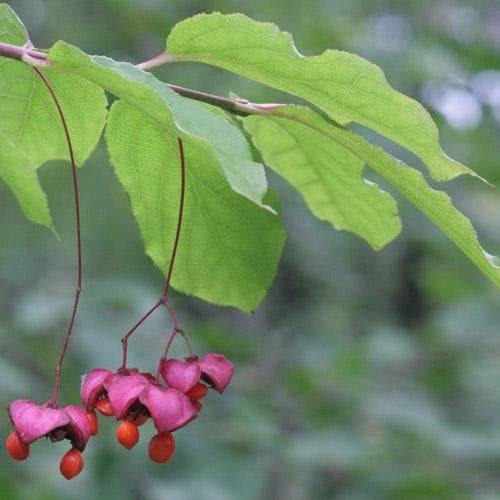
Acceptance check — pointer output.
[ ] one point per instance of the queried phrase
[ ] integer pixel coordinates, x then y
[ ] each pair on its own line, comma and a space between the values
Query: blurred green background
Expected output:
361, 375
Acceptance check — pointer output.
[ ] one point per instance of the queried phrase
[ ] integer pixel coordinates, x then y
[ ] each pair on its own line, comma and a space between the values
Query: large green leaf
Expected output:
30, 128
328, 176
145, 92
436, 205
234, 244
229, 247
12, 29
347, 87
30, 120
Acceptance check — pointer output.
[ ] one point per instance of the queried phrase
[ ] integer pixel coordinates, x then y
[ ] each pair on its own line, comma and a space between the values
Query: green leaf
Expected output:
229, 247
12, 30
347, 87
436, 205
145, 92
31, 132
233, 245
30, 120
31, 128
328, 176
18, 173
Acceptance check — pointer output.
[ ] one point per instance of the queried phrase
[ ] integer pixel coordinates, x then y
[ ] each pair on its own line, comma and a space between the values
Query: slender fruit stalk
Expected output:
163, 300
164, 295
78, 286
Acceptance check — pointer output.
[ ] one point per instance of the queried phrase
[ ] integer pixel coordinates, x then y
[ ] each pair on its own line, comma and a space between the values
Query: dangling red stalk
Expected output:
78, 287
188, 343
132, 330
164, 296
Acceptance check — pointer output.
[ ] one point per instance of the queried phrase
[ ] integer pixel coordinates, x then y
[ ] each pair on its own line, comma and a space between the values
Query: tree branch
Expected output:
28, 55
237, 105
35, 57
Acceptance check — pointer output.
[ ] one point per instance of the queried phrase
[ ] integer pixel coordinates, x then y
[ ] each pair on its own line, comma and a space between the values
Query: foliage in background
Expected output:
383, 365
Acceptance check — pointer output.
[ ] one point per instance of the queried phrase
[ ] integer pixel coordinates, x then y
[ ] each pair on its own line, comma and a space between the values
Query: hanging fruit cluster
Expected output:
171, 399
133, 398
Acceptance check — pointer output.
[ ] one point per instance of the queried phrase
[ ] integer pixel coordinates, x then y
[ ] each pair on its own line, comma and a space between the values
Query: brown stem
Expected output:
35, 57
164, 296
78, 287
188, 343
237, 106
175, 330
29, 55
132, 330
